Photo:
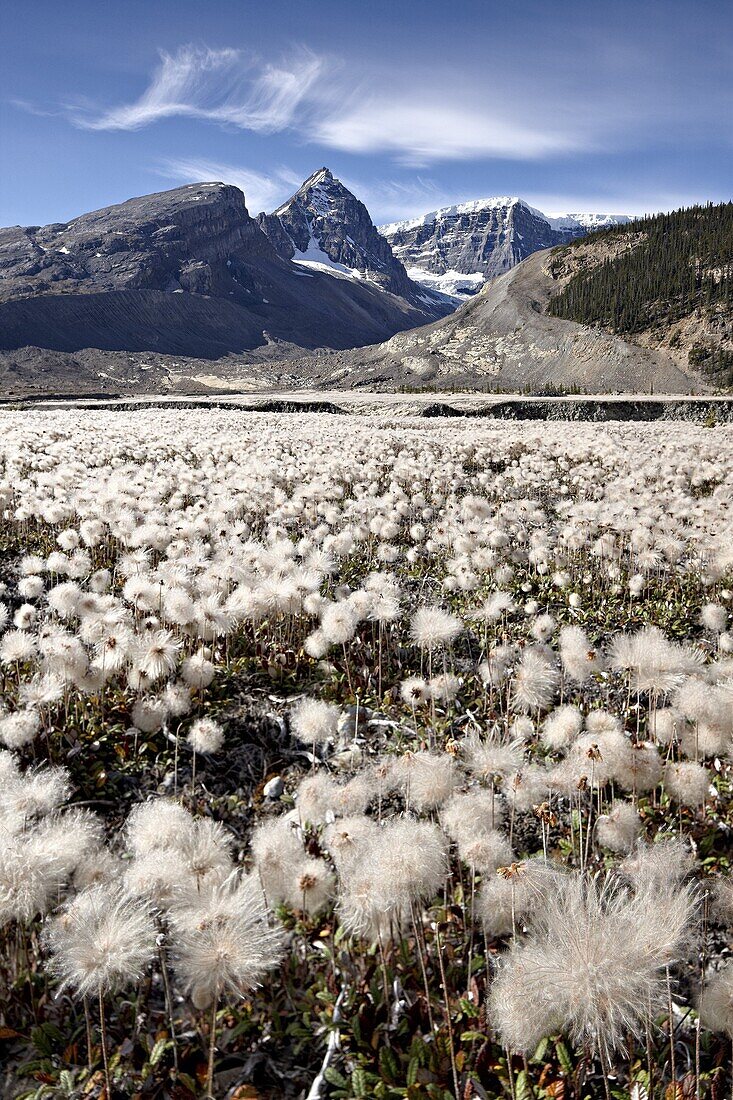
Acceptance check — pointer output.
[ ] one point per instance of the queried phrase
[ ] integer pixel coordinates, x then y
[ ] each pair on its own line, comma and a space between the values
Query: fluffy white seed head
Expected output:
197, 671
426, 779
561, 727
652, 867
620, 828
592, 965
205, 735
687, 783
715, 1004
666, 725
405, 864
535, 681
314, 721
276, 851
224, 943
431, 627
101, 941
311, 885
580, 658
19, 729
714, 617
157, 824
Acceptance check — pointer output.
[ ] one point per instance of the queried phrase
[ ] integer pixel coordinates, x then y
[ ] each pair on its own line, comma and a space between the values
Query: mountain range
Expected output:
190, 272
454, 250
184, 290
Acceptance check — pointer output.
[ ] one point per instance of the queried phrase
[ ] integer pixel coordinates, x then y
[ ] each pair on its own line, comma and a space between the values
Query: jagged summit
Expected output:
324, 226
322, 177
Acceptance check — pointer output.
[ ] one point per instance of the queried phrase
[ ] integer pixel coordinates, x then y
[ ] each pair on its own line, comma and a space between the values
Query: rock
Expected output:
352, 723
347, 759
274, 787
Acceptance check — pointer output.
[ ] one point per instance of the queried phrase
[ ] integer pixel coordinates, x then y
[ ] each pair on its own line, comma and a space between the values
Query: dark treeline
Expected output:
684, 263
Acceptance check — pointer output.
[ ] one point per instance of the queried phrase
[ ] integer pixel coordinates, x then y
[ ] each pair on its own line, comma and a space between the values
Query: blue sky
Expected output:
604, 105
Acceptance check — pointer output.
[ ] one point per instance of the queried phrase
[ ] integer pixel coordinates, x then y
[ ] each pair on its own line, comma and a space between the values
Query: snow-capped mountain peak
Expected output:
444, 213
455, 248
324, 225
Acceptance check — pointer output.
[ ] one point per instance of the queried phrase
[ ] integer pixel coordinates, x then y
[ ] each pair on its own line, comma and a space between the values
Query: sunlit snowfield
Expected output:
346, 759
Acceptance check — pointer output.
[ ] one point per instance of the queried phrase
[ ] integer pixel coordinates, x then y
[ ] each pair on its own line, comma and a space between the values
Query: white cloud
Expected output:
417, 119
33, 109
219, 85
425, 130
261, 191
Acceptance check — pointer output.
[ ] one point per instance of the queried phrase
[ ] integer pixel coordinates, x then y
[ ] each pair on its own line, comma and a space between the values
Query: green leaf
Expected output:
158, 1051
388, 1065
339, 935
523, 1088
539, 1054
472, 1037
66, 1081
563, 1056
46, 1039
187, 1081
335, 1078
359, 1085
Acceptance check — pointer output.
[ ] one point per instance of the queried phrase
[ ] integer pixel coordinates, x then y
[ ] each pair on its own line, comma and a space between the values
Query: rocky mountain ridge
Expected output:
183, 272
455, 249
503, 339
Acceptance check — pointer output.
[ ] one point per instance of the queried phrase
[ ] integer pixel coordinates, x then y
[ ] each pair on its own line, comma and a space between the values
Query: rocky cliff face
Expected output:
457, 248
186, 271
199, 239
324, 225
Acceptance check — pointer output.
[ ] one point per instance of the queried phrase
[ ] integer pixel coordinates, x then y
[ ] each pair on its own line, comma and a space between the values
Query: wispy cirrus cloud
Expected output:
391, 199
421, 129
223, 86
34, 109
262, 191
416, 117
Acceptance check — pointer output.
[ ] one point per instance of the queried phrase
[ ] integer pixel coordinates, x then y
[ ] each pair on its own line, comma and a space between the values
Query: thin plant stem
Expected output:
448, 1020
88, 1024
671, 1028
103, 1040
169, 1003
212, 1052
421, 956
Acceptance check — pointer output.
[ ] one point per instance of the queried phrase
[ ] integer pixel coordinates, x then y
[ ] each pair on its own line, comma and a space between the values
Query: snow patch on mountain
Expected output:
453, 284
314, 256
589, 222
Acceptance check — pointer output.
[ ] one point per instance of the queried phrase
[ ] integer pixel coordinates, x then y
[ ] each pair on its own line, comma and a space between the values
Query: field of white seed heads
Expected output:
342, 759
